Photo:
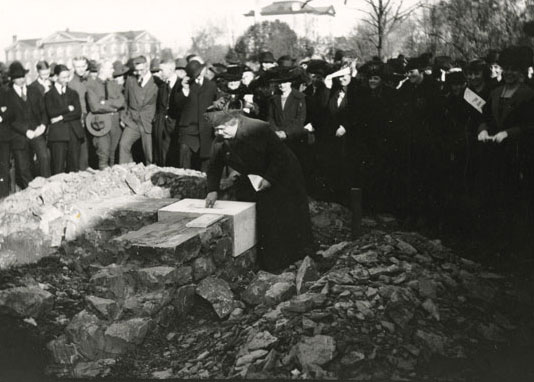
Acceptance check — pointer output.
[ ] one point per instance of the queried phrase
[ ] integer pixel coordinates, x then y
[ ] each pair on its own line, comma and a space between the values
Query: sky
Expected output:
171, 21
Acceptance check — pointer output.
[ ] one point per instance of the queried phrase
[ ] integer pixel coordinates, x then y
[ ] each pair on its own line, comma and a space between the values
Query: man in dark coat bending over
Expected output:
250, 147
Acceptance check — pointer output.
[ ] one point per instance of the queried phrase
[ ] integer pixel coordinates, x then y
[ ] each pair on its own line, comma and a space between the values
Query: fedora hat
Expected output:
16, 70
281, 74
98, 124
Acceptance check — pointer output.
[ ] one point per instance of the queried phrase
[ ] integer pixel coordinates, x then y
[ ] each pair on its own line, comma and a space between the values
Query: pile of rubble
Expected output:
36, 220
380, 307
389, 303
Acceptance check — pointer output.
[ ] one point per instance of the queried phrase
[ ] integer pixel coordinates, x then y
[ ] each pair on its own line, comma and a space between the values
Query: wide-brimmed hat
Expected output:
119, 69
281, 74
16, 70
194, 68
98, 124
319, 67
234, 72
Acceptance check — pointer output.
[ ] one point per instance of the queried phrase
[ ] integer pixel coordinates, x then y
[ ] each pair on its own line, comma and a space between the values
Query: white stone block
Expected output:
243, 217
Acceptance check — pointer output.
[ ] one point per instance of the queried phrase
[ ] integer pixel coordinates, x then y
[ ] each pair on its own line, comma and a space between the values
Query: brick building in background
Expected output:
62, 46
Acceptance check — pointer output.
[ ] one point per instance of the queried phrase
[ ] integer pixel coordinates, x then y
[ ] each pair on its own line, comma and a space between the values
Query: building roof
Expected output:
292, 8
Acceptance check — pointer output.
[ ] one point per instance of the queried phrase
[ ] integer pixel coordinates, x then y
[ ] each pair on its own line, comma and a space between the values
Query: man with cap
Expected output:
65, 133
194, 135
165, 119
77, 83
141, 94
104, 101
26, 117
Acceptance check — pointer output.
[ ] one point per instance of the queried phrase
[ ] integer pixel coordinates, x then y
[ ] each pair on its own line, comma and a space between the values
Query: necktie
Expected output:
63, 90
23, 94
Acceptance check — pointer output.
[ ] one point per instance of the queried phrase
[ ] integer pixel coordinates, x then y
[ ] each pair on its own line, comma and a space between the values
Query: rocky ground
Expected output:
391, 305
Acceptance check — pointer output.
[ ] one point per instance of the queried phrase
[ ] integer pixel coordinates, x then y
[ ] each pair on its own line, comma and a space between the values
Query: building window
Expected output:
114, 48
123, 47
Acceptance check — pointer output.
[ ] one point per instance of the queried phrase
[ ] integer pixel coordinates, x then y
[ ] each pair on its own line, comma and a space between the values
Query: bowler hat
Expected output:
194, 68
98, 124
266, 57
16, 70
180, 63
154, 65
119, 69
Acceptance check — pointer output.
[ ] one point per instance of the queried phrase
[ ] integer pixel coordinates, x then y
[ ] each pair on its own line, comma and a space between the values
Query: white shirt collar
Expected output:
200, 80
60, 89
20, 89
145, 79
172, 81
45, 83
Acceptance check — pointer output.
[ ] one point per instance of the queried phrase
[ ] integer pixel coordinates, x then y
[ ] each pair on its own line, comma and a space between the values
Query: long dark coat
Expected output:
510, 162
283, 219
164, 121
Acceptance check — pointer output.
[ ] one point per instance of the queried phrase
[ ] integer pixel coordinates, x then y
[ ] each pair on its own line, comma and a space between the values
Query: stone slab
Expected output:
243, 216
204, 221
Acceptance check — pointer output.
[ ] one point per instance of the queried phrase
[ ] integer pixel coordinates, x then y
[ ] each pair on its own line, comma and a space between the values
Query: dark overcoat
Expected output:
283, 219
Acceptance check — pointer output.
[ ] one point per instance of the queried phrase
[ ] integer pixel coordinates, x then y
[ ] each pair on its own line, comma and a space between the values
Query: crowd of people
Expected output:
432, 140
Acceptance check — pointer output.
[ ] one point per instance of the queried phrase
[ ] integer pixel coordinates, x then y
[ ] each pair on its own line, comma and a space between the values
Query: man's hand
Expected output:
185, 83
30, 134
281, 134
483, 136
211, 198
499, 137
56, 119
71, 108
264, 184
122, 124
340, 131
39, 130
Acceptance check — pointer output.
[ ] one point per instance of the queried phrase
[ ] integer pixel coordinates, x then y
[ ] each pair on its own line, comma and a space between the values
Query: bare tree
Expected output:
383, 17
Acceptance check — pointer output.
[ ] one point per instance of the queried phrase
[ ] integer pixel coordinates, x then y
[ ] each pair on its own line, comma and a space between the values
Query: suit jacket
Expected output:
291, 118
57, 105
24, 115
36, 85
140, 104
193, 128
